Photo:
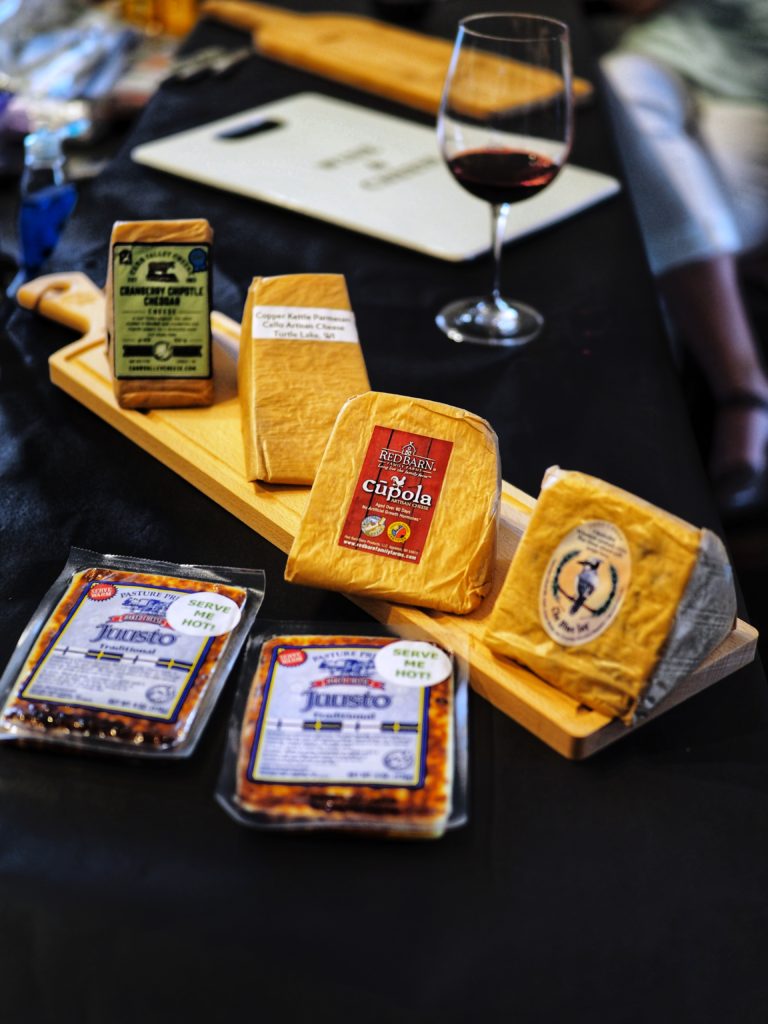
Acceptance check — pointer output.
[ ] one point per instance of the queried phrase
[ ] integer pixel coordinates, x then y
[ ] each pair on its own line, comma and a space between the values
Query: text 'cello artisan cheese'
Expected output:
611, 599
404, 506
158, 304
300, 360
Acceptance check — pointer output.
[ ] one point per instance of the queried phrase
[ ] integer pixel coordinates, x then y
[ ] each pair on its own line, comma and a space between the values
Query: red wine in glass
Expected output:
502, 175
505, 129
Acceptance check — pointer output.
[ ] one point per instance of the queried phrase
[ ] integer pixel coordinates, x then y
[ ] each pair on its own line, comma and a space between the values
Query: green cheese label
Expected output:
162, 307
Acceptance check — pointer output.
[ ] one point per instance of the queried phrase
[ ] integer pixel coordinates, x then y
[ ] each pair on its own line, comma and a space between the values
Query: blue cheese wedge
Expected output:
611, 599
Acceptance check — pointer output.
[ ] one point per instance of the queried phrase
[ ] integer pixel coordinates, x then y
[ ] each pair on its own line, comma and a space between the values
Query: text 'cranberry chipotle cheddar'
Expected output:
158, 305
299, 362
611, 599
127, 655
348, 732
404, 506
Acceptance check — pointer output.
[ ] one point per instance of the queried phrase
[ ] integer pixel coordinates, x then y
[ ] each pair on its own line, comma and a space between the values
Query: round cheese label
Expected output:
201, 614
413, 663
584, 583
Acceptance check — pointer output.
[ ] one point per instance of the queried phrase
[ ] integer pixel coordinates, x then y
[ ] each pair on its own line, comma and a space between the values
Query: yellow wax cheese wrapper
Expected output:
404, 506
300, 360
158, 313
611, 599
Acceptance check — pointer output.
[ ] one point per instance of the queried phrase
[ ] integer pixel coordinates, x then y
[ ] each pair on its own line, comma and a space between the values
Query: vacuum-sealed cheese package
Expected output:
299, 361
338, 729
611, 599
128, 655
404, 506
158, 306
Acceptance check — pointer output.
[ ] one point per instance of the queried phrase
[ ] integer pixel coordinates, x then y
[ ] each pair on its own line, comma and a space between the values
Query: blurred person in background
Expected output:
689, 101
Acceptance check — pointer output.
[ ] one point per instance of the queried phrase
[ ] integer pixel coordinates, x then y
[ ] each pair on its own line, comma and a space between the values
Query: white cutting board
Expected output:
363, 170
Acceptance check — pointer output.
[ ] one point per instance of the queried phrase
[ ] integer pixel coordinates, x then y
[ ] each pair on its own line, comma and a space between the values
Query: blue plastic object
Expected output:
41, 219
47, 200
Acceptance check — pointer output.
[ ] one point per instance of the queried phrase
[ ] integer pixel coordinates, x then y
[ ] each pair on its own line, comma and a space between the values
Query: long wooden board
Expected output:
406, 66
205, 447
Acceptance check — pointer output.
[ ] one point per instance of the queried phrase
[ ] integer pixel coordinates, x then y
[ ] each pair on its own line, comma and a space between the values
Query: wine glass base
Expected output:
490, 322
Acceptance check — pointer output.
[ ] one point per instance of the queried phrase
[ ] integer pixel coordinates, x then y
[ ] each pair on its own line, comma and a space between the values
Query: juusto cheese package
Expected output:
300, 360
611, 599
334, 728
404, 505
127, 655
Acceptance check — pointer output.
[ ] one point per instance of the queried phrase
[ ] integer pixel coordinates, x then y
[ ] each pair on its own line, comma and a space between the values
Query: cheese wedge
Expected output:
158, 305
404, 505
611, 599
299, 362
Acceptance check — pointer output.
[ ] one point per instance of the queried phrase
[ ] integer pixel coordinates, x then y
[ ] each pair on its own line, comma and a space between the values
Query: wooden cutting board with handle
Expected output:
205, 447
400, 64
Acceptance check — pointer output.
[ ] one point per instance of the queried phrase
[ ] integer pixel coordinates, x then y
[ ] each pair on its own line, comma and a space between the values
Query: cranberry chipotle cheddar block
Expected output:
404, 506
300, 360
611, 599
329, 742
158, 304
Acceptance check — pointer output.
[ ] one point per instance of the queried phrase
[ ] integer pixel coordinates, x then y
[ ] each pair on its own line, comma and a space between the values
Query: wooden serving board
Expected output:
400, 64
205, 447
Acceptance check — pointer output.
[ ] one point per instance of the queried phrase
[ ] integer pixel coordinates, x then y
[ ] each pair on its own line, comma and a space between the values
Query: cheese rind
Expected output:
179, 291
292, 388
413, 522
609, 598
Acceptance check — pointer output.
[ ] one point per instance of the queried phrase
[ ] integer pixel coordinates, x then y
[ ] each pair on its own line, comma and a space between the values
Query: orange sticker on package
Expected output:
396, 494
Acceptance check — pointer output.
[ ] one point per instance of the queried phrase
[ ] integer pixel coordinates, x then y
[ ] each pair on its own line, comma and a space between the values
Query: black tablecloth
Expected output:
629, 888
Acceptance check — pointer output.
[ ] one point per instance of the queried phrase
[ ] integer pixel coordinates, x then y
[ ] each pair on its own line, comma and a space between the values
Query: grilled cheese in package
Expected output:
611, 599
127, 655
333, 729
404, 506
300, 360
158, 306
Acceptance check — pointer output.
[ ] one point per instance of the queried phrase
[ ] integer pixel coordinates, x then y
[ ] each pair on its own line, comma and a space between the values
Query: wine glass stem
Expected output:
499, 214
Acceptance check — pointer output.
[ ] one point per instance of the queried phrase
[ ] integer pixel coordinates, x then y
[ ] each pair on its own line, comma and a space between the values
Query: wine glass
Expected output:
505, 127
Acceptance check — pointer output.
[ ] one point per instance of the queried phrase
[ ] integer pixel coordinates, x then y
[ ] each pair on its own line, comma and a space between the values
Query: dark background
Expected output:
630, 888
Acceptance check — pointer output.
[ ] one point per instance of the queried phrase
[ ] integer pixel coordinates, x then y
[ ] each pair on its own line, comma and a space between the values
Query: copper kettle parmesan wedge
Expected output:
611, 599
300, 360
404, 505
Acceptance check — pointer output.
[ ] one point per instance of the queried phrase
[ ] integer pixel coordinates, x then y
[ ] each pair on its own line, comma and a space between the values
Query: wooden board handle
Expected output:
71, 299
74, 300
